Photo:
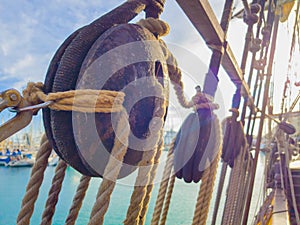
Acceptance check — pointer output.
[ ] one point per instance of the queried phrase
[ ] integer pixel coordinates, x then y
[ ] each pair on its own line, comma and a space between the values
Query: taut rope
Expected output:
34, 184
78, 199
111, 171
57, 181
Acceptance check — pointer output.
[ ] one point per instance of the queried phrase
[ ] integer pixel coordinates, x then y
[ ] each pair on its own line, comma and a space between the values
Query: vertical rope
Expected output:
205, 193
168, 200
208, 179
219, 193
36, 179
54, 193
78, 199
150, 185
163, 186
146, 165
111, 171
140, 189
232, 192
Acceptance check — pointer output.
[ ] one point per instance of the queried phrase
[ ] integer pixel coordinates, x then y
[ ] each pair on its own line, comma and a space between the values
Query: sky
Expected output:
32, 30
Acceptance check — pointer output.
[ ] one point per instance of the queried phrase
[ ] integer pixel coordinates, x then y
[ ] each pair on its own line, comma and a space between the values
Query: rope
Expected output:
111, 171
150, 185
87, 100
54, 193
146, 167
163, 186
219, 193
208, 179
168, 200
155, 26
78, 199
33, 186
140, 188
205, 193
234, 182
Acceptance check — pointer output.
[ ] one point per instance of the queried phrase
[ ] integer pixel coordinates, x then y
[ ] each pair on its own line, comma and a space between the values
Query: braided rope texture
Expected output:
86, 100
168, 200
111, 171
77, 200
151, 182
146, 166
34, 184
55, 189
163, 186
208, 180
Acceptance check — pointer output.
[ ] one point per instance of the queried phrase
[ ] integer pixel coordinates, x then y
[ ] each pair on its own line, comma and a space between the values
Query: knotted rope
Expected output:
78, 199
86, 100
34, 184
57, 181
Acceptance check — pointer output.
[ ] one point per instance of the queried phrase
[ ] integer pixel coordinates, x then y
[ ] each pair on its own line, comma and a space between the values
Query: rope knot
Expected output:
204, 101
33, 93
155, 26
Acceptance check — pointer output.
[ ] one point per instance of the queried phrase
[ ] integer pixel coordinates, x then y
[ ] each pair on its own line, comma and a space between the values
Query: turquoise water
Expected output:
14, 181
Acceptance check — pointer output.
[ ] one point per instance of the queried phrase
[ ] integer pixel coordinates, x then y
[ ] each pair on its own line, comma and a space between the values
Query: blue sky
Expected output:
32, 30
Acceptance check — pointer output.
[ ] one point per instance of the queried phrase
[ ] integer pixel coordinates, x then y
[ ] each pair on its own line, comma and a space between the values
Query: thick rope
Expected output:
208, 180
205, 193
55, 189
151, 181
163, 186
77, 200
86, 100
111, 171
155, 26
168, 200
147, 163
201, 100
140, 188
36, 179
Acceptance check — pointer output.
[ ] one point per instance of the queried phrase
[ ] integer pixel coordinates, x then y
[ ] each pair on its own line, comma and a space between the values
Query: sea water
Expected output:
14, 180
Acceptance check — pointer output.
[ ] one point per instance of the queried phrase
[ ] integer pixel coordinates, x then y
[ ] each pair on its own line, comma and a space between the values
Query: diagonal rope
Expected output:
168, 200
55, 189
34, 184
151, 181
163, 186
77, 200
111, 171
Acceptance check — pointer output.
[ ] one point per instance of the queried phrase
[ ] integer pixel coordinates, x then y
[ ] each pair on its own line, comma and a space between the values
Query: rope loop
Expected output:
155, 26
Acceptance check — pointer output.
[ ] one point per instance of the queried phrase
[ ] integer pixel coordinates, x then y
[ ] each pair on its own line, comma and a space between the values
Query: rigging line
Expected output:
294, 31
287, 155
259, 136
263, 49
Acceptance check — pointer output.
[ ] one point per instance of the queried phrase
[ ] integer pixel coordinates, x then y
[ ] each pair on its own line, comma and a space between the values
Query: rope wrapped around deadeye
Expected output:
77, 96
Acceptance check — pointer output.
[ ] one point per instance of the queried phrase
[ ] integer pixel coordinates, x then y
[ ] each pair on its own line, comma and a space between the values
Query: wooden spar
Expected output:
204, 20
261, 122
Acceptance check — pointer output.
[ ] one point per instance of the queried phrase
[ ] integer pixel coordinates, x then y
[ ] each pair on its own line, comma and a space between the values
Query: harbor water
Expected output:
14, 181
